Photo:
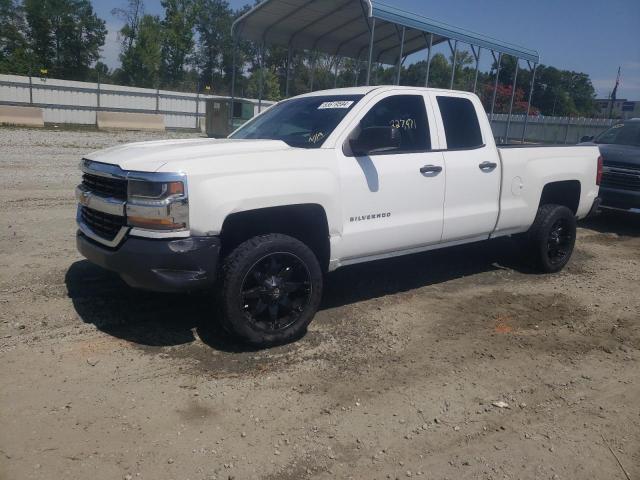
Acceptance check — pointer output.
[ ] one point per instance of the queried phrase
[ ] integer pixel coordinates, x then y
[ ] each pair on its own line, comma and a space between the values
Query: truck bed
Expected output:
526, 169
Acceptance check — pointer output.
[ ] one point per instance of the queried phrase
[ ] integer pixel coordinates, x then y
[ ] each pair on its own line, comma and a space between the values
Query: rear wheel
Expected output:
272, 285
552, 237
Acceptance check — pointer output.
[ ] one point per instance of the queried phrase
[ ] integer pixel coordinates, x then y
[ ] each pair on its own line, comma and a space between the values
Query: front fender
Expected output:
212, 199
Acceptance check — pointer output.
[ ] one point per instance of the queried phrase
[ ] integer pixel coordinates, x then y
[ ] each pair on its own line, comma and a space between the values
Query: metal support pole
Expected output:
98, 99
454, 50
261, 76
313, 71
157, 98
98, 93
526, 118
233, 82
477, 57
288, 75
30, 88
335, 75
495, 86
198, 101
513, 96
426, 82
357, 75
404, 30
371, 40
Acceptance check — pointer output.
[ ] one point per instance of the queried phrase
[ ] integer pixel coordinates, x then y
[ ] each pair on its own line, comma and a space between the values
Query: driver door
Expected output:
393, 200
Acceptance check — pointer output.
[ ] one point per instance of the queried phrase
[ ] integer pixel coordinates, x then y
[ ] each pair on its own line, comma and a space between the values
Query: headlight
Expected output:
143, 190
158, 205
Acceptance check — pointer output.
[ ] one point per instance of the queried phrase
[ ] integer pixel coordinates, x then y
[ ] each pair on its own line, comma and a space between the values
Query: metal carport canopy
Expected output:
343, 27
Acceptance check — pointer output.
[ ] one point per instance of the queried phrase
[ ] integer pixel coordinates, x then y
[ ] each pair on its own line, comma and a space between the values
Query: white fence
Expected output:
548, 129
65, 101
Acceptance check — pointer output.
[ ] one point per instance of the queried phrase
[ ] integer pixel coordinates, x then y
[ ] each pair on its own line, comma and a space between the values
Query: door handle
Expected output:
487, 166
430, 169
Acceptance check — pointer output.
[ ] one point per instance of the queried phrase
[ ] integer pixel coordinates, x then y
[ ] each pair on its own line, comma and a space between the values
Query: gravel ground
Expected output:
402, 374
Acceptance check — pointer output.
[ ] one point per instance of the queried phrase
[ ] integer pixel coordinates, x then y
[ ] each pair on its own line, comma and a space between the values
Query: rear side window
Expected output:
460, 121
408, 114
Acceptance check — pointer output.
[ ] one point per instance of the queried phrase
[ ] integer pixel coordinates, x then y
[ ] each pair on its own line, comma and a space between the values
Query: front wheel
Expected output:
271, 290
552, 237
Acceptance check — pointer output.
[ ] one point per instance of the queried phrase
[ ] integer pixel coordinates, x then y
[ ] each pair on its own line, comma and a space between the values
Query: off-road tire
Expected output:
236, 319
540, 238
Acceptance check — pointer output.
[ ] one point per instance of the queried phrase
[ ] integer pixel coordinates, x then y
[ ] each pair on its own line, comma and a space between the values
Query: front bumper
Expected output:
176, 265
618, 199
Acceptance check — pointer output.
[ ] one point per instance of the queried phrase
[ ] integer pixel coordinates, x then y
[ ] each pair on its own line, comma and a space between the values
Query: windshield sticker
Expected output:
316, 137
404, 124
339, 104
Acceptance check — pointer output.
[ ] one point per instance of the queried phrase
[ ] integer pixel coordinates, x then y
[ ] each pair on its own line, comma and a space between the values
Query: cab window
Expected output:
408, 114
460, 123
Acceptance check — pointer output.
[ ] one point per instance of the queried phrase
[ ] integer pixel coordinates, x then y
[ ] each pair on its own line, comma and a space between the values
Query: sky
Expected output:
590, 36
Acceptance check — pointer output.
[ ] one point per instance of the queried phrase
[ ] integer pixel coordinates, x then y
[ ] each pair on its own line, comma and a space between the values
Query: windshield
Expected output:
301, 122
621, 134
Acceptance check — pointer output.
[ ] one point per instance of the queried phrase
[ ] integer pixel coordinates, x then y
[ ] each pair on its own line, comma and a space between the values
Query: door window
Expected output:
460, 122
408, 114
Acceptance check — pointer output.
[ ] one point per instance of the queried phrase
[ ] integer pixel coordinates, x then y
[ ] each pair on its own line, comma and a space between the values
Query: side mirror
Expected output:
586, 138
375, 139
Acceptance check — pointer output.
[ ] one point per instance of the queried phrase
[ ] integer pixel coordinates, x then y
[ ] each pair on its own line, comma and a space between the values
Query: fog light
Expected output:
182, 246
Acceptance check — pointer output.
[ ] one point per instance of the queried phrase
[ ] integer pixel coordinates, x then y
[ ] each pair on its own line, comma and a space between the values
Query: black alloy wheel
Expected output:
552, 238
560, 241
269, 290
275, 291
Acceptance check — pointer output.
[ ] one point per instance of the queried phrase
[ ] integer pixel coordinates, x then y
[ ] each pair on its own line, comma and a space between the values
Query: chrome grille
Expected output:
104, 225
623, 179
105, 186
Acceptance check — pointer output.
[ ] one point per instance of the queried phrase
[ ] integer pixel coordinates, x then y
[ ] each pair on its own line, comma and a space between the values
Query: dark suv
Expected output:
620, 150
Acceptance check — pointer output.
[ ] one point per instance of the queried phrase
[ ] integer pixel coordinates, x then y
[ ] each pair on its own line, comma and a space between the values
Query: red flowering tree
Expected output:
503, 99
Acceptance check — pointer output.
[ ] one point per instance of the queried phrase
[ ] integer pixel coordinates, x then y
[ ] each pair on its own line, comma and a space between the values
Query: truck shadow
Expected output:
150, 319
401, 274
620, 223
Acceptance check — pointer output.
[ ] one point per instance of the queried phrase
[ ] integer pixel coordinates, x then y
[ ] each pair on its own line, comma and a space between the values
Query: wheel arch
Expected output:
306, 222
564, 192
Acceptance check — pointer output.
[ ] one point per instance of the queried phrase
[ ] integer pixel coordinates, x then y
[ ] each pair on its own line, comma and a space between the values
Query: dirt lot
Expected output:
396, 377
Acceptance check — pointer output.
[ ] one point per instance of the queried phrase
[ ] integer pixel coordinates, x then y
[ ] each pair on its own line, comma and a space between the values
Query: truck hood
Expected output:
619, 155
151, 156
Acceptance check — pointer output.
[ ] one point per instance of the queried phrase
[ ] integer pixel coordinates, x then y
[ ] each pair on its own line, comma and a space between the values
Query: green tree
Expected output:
213, 25
100, 73
556, 92
271, 85
140, 64
65, 36
440, 72
177, 40
131, 17
14, 54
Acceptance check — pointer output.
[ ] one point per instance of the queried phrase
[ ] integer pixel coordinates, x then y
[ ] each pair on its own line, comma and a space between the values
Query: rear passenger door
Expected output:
472, 198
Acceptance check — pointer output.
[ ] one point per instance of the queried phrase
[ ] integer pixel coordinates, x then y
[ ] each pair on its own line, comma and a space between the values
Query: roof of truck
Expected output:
367, 90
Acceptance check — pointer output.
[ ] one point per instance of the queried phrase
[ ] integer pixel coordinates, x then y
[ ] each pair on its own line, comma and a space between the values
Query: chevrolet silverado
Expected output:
318, 182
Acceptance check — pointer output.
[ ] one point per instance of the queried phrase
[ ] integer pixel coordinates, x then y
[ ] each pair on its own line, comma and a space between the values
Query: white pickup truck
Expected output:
318, 182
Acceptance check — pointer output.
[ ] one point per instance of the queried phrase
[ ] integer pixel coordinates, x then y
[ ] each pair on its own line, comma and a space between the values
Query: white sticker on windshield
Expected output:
340, 104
